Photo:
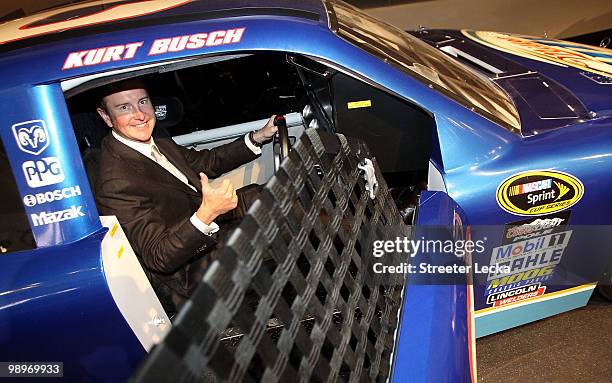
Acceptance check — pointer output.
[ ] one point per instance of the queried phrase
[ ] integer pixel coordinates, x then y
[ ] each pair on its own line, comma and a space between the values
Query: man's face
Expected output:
130, 114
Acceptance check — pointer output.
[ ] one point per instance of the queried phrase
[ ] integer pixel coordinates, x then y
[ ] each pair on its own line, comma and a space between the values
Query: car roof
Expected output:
36, 48
46, 26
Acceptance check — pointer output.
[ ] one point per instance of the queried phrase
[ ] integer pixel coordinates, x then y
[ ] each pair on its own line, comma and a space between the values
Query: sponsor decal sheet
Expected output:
531, 248
51, 197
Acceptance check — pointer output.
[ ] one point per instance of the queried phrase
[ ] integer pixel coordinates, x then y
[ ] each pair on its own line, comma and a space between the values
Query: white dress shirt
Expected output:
146, 149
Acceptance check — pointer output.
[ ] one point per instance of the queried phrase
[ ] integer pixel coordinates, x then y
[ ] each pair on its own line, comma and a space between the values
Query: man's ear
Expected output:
105, 117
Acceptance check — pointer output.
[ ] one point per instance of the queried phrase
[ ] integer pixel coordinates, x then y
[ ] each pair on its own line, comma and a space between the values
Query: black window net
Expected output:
291, 297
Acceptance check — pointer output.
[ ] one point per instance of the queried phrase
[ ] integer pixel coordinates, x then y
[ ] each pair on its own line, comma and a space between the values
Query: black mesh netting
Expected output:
291, 297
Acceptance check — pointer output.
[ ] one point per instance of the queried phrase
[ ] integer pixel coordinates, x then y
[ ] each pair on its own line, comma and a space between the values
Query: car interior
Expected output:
206, 102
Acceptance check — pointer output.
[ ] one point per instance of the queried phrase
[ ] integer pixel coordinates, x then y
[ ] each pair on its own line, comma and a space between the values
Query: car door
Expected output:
437, 323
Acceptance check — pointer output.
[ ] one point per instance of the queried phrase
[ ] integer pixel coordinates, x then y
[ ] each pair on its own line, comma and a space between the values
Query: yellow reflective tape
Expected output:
120, 252
113, 230
360, 104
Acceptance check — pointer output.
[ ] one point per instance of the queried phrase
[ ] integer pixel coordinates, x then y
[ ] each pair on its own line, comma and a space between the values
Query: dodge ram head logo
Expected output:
31, 136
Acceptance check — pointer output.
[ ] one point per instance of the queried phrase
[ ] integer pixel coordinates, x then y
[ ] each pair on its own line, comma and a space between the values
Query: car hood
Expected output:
553, 83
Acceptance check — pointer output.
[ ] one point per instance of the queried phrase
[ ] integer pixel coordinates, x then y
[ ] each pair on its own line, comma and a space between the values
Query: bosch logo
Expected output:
43, 172
31, 136
29, 200
51, 196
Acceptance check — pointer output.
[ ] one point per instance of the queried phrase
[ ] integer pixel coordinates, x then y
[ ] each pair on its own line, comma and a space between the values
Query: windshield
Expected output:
427, 64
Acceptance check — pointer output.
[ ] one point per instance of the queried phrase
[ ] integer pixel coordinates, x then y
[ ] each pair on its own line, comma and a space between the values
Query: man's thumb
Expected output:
204, 180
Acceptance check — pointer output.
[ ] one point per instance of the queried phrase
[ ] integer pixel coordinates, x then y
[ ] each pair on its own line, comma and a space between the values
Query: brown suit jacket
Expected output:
154, 208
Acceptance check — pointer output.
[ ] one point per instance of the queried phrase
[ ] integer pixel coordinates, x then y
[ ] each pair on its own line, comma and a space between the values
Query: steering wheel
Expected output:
282, 139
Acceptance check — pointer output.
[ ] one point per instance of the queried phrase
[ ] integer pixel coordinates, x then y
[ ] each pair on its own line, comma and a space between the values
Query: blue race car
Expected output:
494, 136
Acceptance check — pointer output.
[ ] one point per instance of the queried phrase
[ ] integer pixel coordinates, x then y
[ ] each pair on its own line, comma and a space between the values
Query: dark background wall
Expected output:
559, 19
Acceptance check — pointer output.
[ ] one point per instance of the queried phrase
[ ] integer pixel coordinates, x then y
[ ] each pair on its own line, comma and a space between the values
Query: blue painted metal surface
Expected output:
572, 150
542, 107
38, 139
434, 329
592, 94
475, 156
55, 306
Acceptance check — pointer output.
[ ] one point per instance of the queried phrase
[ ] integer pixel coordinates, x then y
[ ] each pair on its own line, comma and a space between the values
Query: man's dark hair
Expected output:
118, 86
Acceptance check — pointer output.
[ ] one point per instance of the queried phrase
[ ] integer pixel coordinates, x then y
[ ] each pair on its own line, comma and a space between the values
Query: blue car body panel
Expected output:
571, 145
52, 162
474, 155
55, 306
435, 319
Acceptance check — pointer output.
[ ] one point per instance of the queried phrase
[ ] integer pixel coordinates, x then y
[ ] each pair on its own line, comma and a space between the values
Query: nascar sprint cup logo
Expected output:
539, 192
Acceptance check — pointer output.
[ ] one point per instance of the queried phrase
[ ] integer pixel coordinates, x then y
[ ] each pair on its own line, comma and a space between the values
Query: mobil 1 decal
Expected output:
539, 192
535, 227
526, 264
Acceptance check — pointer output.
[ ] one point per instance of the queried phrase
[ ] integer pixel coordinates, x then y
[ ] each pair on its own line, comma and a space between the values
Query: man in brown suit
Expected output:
160, 193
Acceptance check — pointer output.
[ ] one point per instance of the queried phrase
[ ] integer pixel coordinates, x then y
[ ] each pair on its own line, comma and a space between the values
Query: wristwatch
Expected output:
255, 143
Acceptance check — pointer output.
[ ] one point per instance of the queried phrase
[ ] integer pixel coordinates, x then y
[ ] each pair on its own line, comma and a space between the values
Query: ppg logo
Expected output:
31, 136
43, 172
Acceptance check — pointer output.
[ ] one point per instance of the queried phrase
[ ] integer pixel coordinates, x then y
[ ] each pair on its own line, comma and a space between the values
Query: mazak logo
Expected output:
31, 136
43, 172
51, 196
45, 218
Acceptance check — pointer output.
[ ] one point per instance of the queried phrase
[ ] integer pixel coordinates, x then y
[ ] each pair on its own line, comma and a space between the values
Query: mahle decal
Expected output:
539, 192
